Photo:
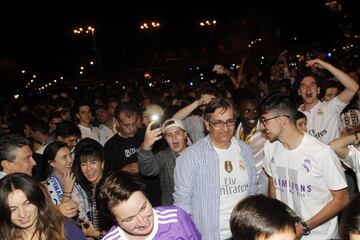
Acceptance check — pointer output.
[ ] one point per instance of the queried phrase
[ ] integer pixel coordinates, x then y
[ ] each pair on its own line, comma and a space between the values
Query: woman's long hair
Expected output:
49, 223
50, 153
86, 150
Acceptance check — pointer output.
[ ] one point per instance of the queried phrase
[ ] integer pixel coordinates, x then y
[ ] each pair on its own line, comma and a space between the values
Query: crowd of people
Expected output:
252, 155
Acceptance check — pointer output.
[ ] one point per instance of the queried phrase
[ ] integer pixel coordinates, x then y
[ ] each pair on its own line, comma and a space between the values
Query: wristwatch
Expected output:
306, 228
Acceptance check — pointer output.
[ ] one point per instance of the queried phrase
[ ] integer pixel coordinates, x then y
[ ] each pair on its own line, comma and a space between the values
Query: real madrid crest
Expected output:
306, 165
228, 166
242, 164
320, 112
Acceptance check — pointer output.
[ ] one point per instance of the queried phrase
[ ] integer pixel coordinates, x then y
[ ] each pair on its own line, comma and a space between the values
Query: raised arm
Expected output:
340, 145
148, 164
186, 111
351, 86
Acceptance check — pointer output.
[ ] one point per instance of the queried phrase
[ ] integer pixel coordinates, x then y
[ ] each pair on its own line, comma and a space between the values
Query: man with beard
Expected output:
323, 118
163, 163
303, 172
249, 131
215, 173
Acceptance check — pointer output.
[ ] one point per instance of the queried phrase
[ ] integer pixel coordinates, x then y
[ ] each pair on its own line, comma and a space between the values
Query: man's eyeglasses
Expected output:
264, 120
220, 123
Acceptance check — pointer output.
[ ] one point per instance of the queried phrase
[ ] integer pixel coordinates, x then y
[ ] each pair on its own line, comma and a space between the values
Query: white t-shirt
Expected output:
105, 133
234, 183
89, 132
323, 120
303, 178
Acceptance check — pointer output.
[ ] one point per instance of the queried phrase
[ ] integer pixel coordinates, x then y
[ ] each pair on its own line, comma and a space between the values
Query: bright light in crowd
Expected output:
23, 71
34, 76
16, 96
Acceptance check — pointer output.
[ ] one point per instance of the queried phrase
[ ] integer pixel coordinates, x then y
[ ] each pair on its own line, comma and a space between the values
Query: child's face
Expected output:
301, 124
288, 234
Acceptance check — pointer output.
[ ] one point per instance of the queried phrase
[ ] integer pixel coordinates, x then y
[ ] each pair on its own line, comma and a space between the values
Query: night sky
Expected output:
40, 37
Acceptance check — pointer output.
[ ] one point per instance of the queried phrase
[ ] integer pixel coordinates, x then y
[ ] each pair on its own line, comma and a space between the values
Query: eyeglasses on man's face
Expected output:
264, 120
219, 123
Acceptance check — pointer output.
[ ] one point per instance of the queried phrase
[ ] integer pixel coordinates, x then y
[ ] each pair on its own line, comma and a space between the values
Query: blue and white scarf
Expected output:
55, 188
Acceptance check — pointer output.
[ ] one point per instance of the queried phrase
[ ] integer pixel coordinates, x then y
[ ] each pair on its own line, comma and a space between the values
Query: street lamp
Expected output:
91, 30
210, 44
208, 23
151, 26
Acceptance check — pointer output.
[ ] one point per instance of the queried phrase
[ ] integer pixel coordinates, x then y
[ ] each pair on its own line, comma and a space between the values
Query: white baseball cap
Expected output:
172, 122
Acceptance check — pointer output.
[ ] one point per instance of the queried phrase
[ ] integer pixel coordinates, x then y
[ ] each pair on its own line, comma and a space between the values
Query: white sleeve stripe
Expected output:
168, 221
167, 216
165, 211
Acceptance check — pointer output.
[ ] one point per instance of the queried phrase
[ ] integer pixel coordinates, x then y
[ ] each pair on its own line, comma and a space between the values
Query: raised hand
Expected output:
205, 99
316, 63
68, 181
151, 136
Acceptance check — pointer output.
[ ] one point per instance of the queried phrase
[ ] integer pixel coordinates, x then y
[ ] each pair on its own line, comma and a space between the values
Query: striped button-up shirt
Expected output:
197, 184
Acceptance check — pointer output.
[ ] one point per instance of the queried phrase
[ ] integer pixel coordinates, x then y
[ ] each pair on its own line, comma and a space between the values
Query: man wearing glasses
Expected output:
303, 172
323, 118
215, 173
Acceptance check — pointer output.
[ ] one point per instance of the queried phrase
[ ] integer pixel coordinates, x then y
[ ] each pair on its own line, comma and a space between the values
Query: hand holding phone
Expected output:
156, 120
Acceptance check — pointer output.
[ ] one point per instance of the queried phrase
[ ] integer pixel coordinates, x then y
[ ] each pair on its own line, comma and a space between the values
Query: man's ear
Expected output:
318, 90
4, 165
299, 92
207, 125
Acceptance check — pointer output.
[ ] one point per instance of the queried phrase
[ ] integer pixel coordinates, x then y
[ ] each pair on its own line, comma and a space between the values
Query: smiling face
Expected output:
62, 162
92, 169
23, 213
248, 113
135, 215
271, 125
221, 135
